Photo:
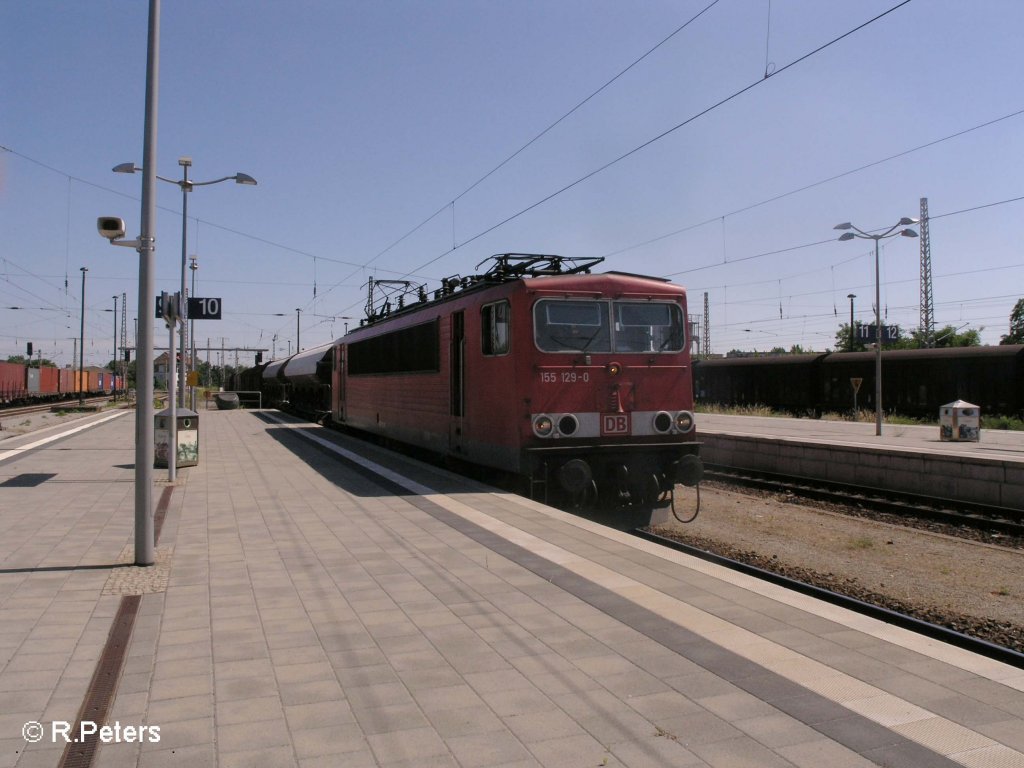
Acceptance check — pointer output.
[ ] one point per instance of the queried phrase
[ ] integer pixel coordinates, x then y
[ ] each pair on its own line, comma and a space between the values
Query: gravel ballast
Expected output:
969, 585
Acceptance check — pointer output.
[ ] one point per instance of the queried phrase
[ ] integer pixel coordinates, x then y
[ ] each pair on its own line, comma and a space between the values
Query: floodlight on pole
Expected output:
859, 233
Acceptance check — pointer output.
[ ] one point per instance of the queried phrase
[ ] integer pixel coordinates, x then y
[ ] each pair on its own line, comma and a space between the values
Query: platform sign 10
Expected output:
203, 309
198, 308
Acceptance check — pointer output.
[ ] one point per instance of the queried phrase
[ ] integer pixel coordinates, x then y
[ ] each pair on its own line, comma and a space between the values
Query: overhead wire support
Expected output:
769, 66
706, 336
927, 300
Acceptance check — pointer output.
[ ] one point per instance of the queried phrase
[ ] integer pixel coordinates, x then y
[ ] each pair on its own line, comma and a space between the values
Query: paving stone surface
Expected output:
303, 612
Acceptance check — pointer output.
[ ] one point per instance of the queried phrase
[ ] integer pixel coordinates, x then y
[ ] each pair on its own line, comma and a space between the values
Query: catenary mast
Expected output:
927, 301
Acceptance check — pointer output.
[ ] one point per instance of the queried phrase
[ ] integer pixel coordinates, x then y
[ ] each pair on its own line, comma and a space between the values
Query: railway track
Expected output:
897, 618
69, 405
908, 507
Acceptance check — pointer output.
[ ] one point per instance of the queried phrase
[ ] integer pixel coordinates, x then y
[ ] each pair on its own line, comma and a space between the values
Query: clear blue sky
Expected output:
362, 119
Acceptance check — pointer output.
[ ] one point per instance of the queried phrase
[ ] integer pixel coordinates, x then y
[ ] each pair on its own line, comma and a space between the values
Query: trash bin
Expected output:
187, 454
959, 420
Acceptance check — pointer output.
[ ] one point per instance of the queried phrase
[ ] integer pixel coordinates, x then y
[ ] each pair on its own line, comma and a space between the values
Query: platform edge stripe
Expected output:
958, 739
23, 448
983, 666
835, 686
990, 757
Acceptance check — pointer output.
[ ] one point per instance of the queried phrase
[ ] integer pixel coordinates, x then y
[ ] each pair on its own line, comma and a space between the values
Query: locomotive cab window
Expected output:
587, 326
572, 326
494, 328
647, 327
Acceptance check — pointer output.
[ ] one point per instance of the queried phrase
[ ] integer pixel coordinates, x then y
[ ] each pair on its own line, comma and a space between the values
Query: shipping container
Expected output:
48, 380
66, 381
12, 381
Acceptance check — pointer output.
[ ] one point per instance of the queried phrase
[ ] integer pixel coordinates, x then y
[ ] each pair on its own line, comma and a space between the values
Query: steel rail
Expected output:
947, 511
934, 631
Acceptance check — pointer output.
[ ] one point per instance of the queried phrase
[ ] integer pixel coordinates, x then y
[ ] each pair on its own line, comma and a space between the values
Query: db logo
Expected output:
615, 424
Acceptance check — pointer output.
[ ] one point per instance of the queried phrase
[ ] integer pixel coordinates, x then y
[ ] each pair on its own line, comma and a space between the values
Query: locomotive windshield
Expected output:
606, 326
646, 327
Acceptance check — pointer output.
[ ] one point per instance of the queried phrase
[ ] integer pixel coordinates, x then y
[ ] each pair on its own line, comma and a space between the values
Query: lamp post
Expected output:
298, 314
891, 232
193, 266
81, 345
186, 185
851, 297
112, 228
114, 371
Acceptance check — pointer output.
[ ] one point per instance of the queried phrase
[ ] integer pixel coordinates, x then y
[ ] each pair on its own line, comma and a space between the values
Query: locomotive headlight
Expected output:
543, 426
568, 424
684, 421
614, 369
663, 422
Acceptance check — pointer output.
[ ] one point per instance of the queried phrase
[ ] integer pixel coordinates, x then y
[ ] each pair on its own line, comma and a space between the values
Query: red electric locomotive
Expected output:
579, 382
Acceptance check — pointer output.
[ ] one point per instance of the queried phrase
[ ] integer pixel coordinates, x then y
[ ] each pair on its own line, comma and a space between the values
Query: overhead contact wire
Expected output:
668, 132
528, 144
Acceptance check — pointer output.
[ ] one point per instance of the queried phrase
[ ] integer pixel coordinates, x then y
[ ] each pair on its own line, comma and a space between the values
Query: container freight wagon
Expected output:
12, 383
21, 384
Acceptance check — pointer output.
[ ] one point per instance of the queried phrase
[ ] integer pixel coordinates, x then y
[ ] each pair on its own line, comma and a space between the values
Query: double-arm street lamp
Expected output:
186, 185
891, 232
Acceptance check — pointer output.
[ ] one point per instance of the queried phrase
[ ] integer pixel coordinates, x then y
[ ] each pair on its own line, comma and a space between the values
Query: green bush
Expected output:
1002, 422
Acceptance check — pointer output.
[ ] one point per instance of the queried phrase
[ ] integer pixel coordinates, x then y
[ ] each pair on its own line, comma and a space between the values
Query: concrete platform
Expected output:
904, 458
320, 603
994, 443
